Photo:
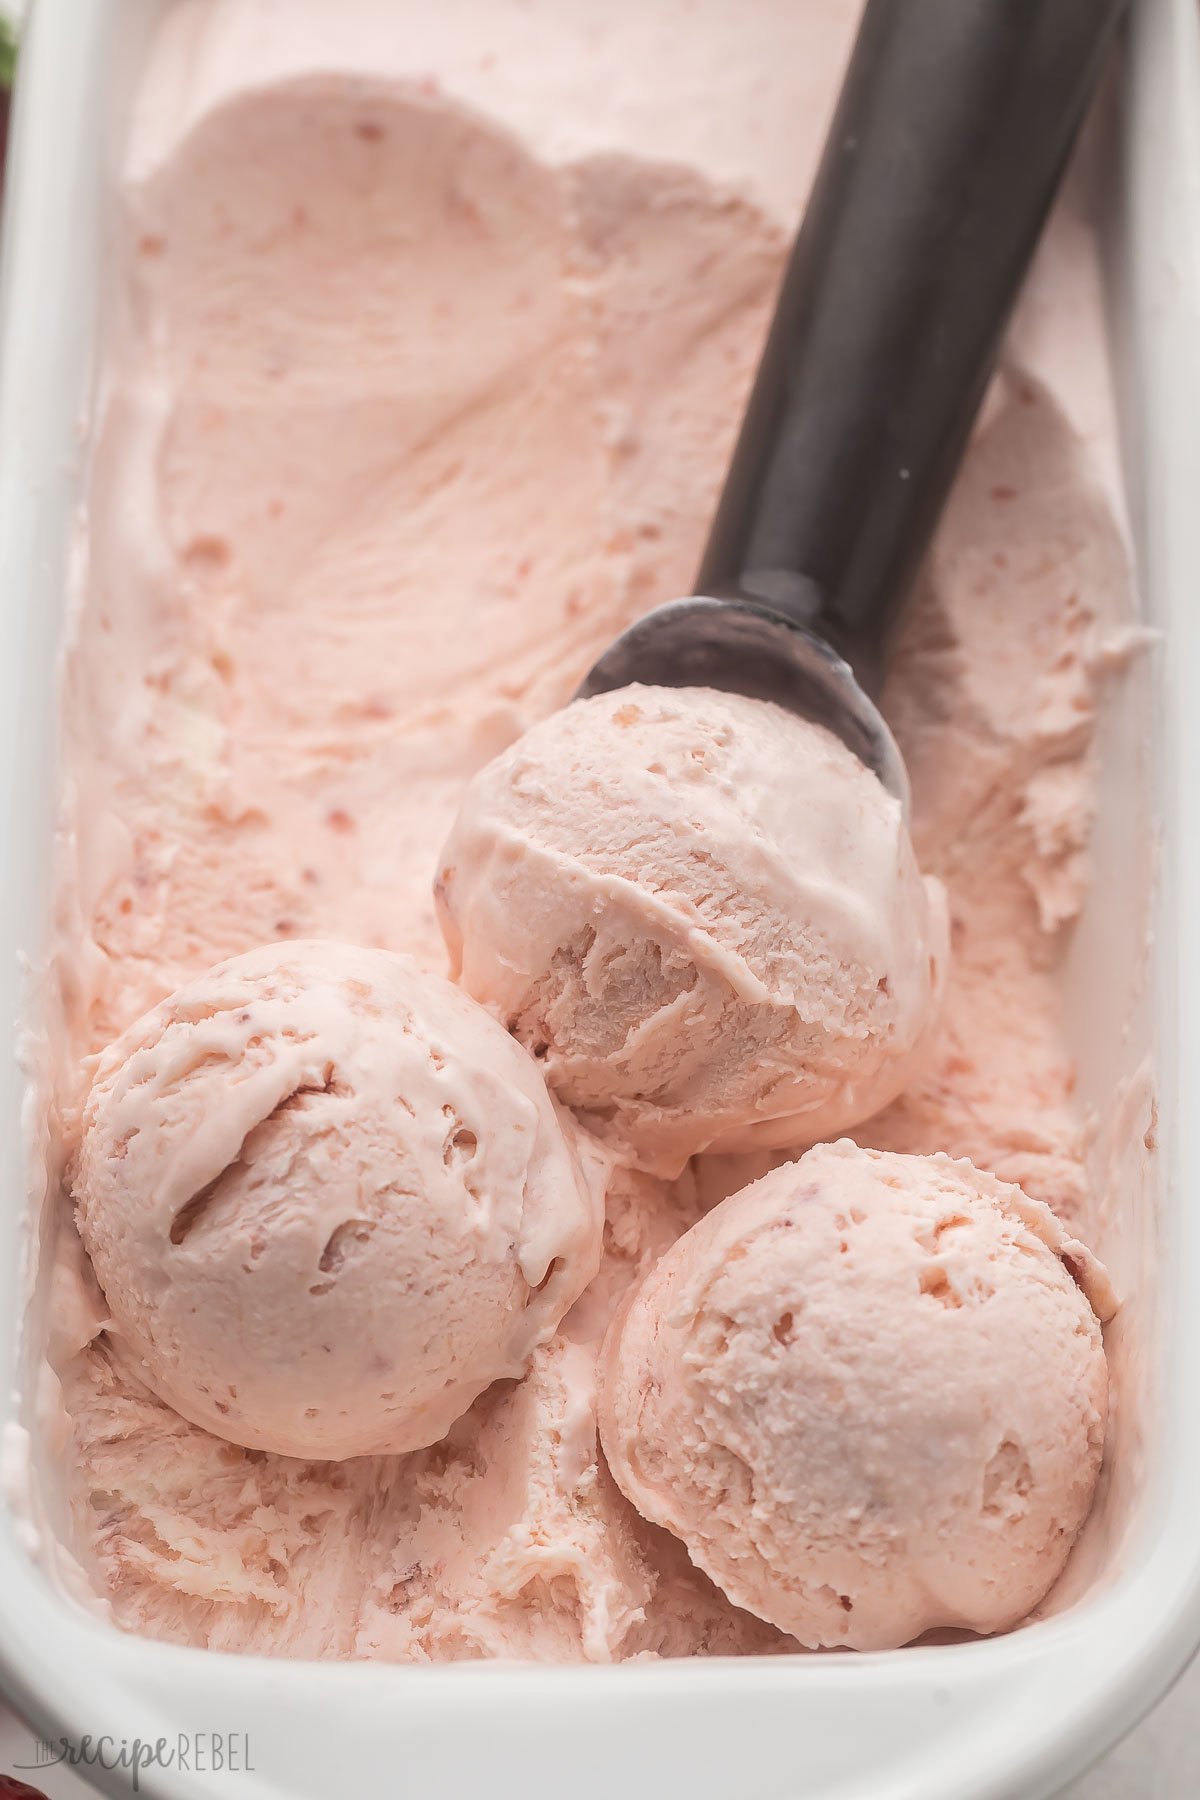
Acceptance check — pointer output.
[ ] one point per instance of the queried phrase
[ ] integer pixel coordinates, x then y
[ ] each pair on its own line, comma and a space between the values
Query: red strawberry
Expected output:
12, 1789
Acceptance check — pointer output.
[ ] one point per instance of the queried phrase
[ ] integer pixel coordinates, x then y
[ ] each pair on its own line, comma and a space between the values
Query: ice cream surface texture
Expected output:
703, 916
869, 1393
430, 334
329, 1202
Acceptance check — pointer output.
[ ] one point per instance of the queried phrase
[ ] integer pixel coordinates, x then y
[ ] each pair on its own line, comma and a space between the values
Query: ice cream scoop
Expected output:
869, 1393
951, 133
329, 1201
703, 915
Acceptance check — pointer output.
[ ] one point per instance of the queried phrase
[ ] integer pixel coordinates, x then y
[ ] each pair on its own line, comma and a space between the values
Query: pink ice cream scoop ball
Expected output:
329, 1201
869, 1394
703, 915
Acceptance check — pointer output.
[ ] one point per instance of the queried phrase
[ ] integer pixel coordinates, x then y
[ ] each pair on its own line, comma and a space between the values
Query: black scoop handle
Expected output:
954, 124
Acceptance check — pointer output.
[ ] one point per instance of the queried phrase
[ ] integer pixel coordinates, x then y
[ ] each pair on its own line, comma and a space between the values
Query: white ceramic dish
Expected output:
1015, 1716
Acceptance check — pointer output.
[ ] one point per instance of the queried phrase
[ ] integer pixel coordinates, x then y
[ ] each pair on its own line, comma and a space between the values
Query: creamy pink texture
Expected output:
418, 386
328, 1201
703, 916
868, 1394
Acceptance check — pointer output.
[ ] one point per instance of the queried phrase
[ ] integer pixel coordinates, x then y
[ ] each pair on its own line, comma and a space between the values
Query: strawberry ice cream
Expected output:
425, 351
328, 1201
869, 1393
703, 915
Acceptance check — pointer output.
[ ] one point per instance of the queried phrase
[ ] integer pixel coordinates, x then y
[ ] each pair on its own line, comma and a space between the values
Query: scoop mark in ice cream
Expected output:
192, 1211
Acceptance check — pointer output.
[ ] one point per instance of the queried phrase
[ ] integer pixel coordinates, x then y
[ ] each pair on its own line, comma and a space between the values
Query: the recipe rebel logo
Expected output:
198, 1752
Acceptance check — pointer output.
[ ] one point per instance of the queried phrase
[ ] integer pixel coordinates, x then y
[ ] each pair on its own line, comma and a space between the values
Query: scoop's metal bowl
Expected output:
743, 647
